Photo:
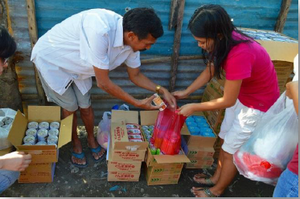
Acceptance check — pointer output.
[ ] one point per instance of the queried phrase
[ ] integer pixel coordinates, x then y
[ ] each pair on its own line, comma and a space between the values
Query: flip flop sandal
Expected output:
80, 156
209, 193
207, 181
200, 175
97, 150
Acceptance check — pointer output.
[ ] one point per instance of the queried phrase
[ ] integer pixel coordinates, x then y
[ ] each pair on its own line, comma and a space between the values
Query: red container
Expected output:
162, 124
172, 139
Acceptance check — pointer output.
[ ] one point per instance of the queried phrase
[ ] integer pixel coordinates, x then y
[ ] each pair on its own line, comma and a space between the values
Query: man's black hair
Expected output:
8, 45
143, 21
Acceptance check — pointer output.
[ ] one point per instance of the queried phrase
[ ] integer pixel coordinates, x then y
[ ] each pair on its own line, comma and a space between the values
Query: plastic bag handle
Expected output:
106, 115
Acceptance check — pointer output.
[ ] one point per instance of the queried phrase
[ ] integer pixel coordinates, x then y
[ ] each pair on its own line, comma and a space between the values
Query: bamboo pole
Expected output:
32, 27
285, 6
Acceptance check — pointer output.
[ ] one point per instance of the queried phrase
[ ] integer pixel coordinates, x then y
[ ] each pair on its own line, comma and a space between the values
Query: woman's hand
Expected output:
187, 110
180, 94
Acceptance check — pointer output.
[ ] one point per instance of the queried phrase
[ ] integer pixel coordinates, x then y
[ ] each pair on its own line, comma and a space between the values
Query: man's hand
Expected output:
169, 98
147, 103
187, 110
15, 161
180, 94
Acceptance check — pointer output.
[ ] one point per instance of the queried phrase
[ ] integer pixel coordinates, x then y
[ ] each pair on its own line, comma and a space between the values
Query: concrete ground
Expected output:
70, 181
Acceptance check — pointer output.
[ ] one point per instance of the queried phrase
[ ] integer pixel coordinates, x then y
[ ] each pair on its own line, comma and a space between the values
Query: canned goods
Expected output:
29, 140
44, 125
32, 125
42, 134
159, 102
31, 132
54, 125
53, 132
52, 139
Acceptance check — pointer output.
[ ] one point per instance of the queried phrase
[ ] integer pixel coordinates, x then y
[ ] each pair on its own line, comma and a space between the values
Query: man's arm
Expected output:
104, 82
142, 81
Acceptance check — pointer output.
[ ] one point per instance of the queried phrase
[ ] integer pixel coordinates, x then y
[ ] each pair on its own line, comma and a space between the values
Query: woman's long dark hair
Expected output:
8, 45
211, 21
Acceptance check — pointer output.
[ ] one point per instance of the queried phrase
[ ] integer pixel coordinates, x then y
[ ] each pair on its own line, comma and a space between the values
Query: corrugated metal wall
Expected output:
246, 13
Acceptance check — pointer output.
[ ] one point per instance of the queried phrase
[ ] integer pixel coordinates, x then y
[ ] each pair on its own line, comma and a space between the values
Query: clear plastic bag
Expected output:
7, 116
104, 130
269, 149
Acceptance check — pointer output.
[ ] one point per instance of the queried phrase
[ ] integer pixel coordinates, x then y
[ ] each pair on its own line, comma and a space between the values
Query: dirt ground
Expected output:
70, 181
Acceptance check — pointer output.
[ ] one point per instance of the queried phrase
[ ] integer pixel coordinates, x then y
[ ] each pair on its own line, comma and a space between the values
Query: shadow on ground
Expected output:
70, 181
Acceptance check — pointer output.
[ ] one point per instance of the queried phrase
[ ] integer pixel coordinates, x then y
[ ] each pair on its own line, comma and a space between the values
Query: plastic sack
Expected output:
271, 146
7, 116
104, 130
172, 139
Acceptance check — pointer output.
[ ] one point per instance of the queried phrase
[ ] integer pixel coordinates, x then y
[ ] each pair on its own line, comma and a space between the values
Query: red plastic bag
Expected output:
166, 134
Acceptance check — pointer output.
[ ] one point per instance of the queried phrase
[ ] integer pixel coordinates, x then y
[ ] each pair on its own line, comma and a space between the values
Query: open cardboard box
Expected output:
121, 148
40, 153
149, 118
194, 141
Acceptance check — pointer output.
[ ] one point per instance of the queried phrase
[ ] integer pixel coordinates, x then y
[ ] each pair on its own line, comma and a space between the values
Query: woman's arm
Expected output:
231, 92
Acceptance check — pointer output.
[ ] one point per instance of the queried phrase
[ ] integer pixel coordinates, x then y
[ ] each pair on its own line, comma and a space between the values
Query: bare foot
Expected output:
77, 155
92, 143
203, 179
202, 192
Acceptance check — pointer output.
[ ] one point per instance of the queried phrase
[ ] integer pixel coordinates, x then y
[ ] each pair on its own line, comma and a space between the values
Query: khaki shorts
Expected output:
70, 100
238, 125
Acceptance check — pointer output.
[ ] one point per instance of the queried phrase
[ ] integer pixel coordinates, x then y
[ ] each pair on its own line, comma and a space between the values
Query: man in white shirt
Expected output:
92, 43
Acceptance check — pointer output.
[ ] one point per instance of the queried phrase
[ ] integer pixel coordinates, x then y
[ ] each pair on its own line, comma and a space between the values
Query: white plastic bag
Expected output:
7, 116
271, 146
104, 130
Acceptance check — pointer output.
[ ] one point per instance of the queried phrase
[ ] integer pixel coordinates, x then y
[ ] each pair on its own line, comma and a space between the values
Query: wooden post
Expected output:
176, 20
33, 39
285, 6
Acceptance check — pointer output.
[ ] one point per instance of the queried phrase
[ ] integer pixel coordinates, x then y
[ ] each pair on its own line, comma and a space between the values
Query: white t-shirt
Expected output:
69, 50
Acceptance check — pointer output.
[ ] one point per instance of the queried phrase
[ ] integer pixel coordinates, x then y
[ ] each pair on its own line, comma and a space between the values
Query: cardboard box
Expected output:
167, 165
121, 148
123, 176
197, 141
161, 179
133, 166
200, 153
40, 153
38, 173
5, 151
199, 163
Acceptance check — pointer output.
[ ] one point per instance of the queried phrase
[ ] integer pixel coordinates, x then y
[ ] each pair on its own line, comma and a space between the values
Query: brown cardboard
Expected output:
161, 179
165, 169
133, 166
46, 153
37, 173
5, 151
201, 153
119, 134
200, 163
123, 176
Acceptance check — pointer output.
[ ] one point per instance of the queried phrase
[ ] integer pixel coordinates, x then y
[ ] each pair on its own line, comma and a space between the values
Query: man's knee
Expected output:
66, 113
86, 111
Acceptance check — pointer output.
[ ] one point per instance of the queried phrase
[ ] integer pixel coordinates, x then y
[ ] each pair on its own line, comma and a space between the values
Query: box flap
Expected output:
17, 130
130, 146
65, 135
35, 149
148, 117
128, 116
162, 159
44, 113
282, 51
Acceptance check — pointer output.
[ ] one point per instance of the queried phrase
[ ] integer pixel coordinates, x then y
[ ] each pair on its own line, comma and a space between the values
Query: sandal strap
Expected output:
209, 193
78, 155
208, 181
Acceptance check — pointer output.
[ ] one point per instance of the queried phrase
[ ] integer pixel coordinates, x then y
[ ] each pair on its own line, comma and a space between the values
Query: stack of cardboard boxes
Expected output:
161, 169
199, 149
44, 157
124, 157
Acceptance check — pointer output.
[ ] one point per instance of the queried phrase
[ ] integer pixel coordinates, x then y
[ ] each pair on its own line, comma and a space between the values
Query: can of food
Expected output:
52, 139
31, 132
52, 144
54, 125
53, 132
41, 143
29, 140
44, 125
159, 102
42, 134
33, 125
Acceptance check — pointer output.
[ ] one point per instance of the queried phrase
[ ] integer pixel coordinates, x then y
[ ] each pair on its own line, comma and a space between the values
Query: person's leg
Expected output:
225, 127
76, 144
287, 185
87, 116
245, 121
203, 179
69, 104
7, 178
